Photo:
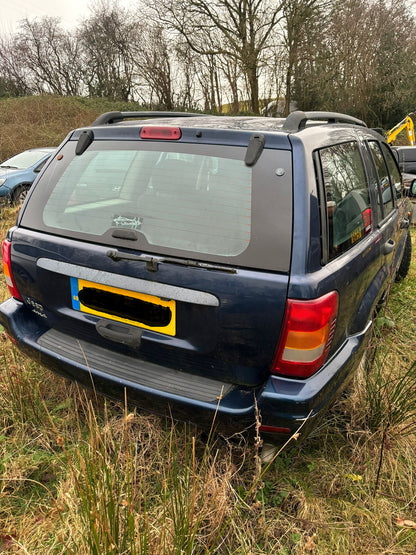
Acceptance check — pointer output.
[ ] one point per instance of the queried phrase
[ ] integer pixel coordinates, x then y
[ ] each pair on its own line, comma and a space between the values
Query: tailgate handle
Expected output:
120, 333
388, 246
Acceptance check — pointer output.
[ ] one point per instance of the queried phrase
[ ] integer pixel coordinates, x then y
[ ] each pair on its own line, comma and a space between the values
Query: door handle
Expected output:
388, 246
120, 333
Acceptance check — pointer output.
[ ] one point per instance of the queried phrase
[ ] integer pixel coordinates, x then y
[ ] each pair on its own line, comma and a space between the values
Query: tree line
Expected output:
353, 56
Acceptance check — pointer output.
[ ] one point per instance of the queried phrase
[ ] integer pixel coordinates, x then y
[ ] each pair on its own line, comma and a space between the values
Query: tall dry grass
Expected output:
82, 475
37, 121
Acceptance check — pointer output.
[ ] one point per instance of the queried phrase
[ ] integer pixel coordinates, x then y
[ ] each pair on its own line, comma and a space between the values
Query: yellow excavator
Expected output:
406, 123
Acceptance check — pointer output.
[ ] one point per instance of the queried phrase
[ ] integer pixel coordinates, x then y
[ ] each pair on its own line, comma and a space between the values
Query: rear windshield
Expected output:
182, 201
171, 198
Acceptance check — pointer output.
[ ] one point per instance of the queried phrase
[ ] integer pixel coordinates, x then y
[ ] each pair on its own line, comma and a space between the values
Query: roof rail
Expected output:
117, 117
297, 120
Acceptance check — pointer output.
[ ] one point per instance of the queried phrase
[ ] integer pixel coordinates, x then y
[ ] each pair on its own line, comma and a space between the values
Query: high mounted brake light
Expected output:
164, 133
7, 269
306, 337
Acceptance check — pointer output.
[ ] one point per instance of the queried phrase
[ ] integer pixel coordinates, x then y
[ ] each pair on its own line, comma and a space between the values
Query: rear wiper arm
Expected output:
152, 262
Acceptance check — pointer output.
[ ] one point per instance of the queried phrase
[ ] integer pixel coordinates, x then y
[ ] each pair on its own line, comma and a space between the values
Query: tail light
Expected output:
273, 429
306, 337
7, 269
367, 220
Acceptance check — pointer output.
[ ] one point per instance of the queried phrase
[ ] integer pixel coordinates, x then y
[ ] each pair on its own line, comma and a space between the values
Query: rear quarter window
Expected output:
347, 199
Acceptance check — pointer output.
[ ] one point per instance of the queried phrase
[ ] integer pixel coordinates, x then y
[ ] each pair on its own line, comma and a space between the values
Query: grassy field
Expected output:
37, 121
82, 475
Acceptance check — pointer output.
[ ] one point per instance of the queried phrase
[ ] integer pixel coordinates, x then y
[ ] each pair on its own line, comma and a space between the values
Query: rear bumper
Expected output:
281, 402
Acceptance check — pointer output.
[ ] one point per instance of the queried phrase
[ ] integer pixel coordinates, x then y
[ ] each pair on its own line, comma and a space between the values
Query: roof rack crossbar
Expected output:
297, 120
116, 117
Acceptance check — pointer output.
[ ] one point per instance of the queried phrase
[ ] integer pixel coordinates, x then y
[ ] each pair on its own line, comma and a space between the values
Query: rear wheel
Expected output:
407, 256
20, 194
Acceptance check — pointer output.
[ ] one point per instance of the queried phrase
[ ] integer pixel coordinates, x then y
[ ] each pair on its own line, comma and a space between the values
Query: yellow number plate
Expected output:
137, 309
356, 235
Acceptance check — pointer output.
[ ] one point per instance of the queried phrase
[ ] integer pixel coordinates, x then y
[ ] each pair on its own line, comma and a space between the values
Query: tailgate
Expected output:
216, 323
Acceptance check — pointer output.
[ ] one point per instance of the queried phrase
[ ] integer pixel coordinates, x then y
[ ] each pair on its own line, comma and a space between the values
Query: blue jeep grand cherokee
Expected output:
208, 265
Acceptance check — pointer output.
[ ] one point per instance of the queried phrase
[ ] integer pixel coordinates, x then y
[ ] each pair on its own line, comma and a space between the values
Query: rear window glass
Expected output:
198, 201
176, 200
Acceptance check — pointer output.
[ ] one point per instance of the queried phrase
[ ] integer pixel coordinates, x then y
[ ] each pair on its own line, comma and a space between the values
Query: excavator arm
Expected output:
406, 123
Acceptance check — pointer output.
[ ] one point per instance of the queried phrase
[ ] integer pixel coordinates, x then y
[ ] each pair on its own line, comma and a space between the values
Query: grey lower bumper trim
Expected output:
127, 368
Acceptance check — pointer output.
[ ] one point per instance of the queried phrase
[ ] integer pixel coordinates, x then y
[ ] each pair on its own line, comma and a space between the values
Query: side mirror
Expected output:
412, 192
40, 167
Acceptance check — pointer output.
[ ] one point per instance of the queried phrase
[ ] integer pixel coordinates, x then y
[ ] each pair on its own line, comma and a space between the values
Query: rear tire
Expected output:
407, 257
20, 194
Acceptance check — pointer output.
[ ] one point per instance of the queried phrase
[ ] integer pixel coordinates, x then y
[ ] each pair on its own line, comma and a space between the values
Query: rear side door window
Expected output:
347, 199
395, 177
386, 181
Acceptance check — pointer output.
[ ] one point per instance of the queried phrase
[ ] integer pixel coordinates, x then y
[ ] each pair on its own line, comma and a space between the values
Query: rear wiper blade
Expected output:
152, 262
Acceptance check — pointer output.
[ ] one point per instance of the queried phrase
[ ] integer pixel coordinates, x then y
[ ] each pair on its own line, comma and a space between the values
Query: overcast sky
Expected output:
70, 11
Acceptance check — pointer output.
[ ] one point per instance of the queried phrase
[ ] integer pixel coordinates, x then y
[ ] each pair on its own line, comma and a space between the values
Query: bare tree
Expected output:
239, 30
45, 57
298, 15
13, 76
107, 38
187, 95
204, 75
153, 61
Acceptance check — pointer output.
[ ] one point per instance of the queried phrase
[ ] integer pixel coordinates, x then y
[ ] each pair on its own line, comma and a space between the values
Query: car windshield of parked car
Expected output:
24, 160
